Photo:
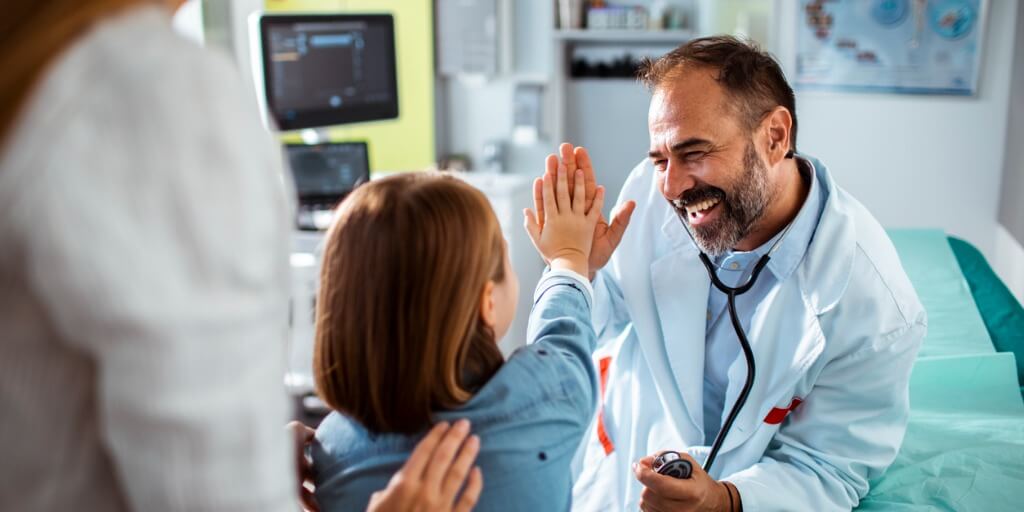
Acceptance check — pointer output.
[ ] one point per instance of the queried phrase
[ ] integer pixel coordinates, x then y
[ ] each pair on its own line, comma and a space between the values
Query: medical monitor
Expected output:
328, 69
324, 174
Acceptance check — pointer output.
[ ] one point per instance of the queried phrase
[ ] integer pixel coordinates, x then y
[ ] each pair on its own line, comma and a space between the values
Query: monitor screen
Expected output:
325, 173
321, 70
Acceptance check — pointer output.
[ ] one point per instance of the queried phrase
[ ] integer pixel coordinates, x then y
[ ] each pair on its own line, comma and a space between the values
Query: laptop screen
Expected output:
326, 173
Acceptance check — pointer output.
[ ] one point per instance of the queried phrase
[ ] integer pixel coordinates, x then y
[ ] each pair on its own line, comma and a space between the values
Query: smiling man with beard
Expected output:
833, 322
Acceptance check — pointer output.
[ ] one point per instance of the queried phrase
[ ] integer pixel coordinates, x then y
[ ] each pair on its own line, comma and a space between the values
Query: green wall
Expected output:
405, 143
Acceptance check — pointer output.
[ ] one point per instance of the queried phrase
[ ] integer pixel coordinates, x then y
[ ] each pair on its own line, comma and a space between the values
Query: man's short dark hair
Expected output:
750, 75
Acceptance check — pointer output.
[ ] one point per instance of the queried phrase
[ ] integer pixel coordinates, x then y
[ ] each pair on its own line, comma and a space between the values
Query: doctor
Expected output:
832, 320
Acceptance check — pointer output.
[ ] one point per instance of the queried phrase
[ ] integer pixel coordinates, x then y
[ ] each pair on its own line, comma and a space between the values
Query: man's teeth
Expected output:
694, 208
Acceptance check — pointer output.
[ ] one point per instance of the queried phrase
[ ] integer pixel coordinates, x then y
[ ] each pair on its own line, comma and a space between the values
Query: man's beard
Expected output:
739, 209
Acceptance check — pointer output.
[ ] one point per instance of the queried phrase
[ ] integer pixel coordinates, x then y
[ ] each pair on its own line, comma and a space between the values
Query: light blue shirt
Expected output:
722, 347
530, 416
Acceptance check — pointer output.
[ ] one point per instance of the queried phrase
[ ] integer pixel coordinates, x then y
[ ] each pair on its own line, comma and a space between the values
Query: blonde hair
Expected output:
32, 34
398, 327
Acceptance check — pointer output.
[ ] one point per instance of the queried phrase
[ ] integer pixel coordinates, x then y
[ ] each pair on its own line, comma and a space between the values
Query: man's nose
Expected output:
676, 181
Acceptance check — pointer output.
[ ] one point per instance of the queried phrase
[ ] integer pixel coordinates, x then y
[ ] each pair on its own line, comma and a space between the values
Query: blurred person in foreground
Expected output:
144, 276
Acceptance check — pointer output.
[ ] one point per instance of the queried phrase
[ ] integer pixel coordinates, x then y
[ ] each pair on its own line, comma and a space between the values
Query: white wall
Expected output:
1009, 255
918, 161
1008, 262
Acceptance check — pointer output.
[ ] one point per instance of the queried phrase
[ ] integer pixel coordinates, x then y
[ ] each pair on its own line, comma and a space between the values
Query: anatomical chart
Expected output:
903, 46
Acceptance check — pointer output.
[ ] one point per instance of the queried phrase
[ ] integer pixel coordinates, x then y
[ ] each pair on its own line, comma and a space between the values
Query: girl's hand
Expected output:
566, 238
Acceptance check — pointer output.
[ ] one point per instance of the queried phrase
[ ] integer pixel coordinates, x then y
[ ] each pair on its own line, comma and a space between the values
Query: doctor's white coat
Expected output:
834, 344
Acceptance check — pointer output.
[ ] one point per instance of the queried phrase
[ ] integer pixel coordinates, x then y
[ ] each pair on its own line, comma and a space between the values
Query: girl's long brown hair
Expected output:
398, 327
32, 34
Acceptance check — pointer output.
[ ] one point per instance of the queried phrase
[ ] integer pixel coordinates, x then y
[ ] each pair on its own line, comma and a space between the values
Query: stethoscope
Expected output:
731, 292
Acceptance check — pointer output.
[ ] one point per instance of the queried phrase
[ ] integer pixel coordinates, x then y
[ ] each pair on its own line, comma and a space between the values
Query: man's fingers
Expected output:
565, 151
579, 198
444, 454
589, 179
654, 502
598, 205
413, 468
562, 190
662, 485
472, 491
620, 220
460, 468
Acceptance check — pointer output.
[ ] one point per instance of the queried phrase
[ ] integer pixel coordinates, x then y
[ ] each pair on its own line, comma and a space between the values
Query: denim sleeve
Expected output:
560, 331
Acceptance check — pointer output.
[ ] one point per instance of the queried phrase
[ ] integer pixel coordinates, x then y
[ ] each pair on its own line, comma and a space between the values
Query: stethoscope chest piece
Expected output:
673, 465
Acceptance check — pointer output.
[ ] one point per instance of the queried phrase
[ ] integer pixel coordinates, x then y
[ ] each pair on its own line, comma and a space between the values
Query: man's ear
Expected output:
779, 125
487, 310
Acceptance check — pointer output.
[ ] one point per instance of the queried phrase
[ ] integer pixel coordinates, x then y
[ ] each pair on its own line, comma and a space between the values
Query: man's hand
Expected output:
698, 493
606, 235
430, 480
303, 436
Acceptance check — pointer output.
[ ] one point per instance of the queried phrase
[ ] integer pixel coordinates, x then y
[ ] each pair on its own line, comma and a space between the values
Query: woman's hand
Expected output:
566, 237
303, 435
431, 478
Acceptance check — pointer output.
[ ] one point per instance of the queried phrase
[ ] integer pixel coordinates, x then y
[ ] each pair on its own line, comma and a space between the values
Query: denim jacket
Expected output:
530, 416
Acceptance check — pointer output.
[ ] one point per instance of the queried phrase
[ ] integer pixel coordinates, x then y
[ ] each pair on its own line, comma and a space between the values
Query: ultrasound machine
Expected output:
313, 71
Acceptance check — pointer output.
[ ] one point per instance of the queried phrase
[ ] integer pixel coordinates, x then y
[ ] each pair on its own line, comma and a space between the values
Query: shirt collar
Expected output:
792, 249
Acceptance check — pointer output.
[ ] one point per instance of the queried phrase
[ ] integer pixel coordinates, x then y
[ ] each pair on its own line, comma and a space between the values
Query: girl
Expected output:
416, 290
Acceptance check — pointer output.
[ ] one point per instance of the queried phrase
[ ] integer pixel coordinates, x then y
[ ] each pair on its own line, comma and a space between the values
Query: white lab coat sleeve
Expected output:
610, 314
846, 433
162, 257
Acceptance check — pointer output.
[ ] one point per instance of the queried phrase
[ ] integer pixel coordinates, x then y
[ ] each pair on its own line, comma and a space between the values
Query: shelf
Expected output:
624, 36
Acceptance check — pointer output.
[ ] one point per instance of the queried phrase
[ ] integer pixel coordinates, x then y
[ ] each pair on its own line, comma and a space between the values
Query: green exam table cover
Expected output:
1002, 314
954, 325
964, 446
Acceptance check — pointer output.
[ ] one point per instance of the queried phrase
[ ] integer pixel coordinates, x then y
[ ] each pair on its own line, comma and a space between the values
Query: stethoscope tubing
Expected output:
731, 293
748, 353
